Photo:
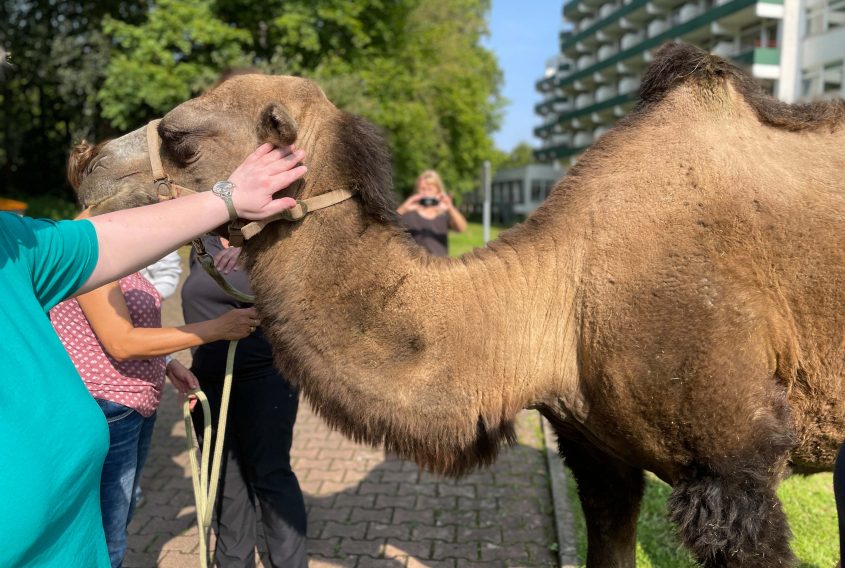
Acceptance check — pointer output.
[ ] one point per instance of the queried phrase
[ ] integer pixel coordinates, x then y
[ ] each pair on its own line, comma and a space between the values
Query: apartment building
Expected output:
794, 48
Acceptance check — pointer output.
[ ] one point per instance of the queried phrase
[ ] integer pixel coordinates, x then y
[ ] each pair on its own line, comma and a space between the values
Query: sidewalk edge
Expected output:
567, 550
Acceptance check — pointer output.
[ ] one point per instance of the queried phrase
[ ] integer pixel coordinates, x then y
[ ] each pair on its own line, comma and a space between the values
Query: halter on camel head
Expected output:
238, 230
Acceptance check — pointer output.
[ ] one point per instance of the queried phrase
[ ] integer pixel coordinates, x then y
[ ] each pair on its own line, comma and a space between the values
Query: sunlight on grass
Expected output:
809, 506
473, 237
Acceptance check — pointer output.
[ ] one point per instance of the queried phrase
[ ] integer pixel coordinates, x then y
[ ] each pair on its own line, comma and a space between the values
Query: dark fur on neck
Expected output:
363, 157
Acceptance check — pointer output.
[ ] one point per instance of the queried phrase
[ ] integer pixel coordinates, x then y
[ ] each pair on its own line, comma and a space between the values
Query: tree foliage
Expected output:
414, 67
58, 55
521, 155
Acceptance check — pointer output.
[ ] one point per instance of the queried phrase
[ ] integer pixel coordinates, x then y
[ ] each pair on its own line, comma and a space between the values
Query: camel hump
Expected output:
678, 63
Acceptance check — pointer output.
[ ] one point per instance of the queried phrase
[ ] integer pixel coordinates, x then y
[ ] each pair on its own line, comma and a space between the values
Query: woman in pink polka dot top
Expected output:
114, 337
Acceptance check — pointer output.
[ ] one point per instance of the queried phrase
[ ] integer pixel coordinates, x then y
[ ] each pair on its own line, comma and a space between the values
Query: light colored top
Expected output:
164, 274
53, 436
136, 383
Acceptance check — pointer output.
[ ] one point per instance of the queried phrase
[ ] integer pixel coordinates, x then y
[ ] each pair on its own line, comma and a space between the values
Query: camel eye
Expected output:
180, 146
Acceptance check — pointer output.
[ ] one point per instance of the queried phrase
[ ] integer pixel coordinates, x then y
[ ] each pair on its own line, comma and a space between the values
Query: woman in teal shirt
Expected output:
53, 438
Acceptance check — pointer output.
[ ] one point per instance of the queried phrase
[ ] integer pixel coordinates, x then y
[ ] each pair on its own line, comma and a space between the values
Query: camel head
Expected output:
204, 139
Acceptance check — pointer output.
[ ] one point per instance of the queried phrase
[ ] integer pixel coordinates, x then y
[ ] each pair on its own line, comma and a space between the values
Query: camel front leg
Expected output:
610, 493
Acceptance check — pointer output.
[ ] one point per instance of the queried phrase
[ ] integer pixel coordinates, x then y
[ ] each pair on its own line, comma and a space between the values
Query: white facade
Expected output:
794, 48
516, 192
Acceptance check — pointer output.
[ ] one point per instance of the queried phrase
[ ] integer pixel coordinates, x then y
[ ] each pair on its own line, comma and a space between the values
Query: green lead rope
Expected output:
205, 485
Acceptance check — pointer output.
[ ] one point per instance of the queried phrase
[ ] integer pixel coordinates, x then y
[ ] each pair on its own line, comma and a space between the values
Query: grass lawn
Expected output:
473, 237
48, 207
809, 507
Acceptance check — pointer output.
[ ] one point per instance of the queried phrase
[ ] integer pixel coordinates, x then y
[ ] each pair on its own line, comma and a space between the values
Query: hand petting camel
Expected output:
677, 304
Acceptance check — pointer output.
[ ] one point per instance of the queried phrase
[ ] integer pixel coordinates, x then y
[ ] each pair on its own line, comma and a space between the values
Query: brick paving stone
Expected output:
383, 516
487, 534
460, 518
329, 514
395, 501
425, 516
420, 549
377, 530
354, 546
467, 550
316, 561
444, 533
415, 563
352, 530
367, 509
428, 489
368, 488
438, 503
367, 501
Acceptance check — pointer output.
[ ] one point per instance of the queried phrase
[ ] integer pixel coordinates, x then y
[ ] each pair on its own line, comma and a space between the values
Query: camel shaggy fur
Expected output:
676, 305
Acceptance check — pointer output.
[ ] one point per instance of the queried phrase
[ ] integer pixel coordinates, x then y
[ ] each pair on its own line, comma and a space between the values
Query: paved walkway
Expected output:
365, 509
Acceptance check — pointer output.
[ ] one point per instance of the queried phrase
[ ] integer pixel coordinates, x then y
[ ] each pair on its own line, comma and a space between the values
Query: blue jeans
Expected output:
130, 435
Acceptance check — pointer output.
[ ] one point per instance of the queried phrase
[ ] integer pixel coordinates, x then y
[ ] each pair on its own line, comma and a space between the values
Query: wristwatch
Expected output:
223, 190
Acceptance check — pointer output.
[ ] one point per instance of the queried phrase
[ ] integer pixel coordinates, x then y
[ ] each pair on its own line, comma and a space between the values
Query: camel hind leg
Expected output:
610, 494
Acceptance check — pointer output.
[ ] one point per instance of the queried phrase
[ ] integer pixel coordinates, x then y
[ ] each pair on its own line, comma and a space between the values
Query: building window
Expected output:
823, 81
824, 15
516, 193
536, 190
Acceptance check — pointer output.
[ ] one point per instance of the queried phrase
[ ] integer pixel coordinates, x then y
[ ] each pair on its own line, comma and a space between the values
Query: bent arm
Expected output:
106, 311
457, 222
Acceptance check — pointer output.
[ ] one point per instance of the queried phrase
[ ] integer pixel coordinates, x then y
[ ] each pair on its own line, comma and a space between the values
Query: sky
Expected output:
523, 34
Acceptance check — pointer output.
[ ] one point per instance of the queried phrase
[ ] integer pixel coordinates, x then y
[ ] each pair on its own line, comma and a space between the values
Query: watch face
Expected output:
223, 188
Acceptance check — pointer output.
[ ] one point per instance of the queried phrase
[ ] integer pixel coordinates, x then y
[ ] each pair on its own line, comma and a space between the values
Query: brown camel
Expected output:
677, 305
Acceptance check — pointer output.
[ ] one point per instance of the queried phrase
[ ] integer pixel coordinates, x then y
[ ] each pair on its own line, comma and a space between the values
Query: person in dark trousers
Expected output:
256, 471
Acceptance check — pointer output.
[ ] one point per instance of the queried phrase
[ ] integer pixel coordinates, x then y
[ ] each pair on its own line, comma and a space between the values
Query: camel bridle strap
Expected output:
238, 231
302, 208
165, 188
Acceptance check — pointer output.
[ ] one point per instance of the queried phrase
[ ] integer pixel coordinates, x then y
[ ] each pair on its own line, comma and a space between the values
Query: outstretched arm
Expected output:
131, 239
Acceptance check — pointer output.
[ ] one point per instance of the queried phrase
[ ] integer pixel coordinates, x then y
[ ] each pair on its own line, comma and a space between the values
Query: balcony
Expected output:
584, 100
763, 61
657, 27
628, 85
605, 93
606, 51
607, 9
688, 12
583, 138
631, 39
585, 61
728, 12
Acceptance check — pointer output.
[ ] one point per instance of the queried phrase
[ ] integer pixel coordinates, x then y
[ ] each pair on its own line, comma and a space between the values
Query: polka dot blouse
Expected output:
135, 383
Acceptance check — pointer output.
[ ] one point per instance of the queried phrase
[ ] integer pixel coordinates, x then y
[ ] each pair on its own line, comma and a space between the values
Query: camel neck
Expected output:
370, 326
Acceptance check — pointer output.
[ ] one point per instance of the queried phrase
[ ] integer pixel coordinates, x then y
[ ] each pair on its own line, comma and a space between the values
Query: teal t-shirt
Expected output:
53, 436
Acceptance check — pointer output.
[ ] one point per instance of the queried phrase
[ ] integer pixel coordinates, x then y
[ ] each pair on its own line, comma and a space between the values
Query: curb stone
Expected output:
567, 550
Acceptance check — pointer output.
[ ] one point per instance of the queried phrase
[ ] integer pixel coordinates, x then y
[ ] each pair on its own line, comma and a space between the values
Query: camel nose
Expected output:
80, 162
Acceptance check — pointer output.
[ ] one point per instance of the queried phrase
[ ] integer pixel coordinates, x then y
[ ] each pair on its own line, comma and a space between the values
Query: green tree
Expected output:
521, 155
58, 57
179, 51
416, 68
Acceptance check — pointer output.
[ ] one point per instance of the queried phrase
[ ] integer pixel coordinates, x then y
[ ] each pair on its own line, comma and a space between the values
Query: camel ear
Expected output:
276, 126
